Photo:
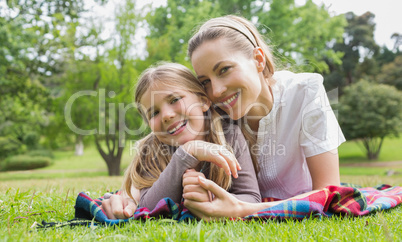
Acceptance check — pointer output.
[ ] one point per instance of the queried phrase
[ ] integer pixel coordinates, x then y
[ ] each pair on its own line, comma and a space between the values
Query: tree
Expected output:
33, 37
302, 35
391, 73
358, 48
98, 88
368, 113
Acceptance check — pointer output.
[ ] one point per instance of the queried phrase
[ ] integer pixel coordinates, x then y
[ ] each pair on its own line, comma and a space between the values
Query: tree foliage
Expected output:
369, 112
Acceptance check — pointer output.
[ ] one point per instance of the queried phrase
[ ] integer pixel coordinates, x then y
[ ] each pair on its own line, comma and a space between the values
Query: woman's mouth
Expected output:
180, 126
229, 102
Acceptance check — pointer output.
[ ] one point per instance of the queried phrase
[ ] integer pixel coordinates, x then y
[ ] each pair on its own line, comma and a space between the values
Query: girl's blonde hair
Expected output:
153, 156
241, 35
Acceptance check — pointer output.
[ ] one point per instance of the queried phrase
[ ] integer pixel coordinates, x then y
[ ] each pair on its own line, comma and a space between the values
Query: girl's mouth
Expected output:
178, 128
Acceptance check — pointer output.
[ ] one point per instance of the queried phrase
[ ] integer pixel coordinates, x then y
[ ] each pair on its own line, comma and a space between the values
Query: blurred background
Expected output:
68, 67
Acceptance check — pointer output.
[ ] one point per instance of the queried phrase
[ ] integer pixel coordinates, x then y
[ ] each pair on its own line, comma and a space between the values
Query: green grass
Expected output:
25, 202
49, 194
67, 164
352, 151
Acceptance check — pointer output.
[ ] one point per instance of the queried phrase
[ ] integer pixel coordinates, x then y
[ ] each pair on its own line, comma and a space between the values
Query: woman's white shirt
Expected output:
301, 124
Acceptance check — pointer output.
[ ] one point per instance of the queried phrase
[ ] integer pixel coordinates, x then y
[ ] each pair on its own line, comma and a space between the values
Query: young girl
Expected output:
286, 117
186, 134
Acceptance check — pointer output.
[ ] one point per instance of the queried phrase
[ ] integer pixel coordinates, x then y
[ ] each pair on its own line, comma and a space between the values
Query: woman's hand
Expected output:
119, 207
217, 154
223, 204
192, 188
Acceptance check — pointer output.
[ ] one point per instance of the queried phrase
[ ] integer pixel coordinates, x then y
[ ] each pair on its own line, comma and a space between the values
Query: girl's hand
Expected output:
119, 207
217, 154
192, 189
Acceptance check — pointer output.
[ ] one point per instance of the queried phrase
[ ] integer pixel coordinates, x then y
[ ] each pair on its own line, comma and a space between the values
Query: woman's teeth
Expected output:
179, 125
230, 99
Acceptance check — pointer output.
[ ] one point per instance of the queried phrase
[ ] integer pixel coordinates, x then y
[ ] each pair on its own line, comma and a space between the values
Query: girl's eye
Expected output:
175, 100
205, 82
153, 114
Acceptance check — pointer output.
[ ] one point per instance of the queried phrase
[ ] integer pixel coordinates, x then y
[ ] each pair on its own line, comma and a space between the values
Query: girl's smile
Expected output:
175, 117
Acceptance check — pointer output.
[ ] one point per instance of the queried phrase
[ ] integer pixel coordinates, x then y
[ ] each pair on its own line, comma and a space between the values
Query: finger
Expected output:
130, 209
221, 162
230, 160
107, 195
198, 209
196, 196
192, 180
194, 188
211, 186
107, 208
193, 174
190, 170
117, 206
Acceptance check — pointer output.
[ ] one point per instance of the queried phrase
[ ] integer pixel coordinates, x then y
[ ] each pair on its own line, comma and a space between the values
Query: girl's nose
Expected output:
168, 115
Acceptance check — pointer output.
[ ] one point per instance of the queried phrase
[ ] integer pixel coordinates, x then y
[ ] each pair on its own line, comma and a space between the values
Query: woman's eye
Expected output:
205, 82
224, 69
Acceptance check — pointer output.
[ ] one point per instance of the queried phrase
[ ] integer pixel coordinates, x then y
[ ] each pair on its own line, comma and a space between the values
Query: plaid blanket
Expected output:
332, 200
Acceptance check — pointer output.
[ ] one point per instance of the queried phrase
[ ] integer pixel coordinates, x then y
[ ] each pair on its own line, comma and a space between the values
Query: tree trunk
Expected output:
79, 146
373, 147
112, 160
113, 166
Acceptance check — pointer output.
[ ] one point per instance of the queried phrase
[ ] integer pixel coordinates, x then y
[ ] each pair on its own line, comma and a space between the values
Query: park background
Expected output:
52, 50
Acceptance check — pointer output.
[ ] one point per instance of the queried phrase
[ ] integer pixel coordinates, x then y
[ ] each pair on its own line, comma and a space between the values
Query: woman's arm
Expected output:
324, 169
225, 205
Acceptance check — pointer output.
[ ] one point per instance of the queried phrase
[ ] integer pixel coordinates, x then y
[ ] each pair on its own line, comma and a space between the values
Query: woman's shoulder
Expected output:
292, 85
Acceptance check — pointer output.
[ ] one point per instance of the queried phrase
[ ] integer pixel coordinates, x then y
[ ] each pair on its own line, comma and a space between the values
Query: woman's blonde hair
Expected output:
241, 35
153, 156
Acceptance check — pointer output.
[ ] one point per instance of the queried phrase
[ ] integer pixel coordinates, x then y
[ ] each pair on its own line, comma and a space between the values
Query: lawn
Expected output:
49, 194
352, 151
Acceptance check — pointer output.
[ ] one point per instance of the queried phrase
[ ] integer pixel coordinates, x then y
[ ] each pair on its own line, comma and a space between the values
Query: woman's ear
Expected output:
206, 104
259, 58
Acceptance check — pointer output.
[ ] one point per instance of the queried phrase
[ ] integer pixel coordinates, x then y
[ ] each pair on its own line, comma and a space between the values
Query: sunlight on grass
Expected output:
351, 151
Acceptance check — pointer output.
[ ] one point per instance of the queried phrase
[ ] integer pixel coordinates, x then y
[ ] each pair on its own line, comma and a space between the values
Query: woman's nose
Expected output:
218, 88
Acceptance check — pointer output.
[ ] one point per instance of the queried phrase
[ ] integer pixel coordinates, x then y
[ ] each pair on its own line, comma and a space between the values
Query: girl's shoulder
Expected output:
231, 130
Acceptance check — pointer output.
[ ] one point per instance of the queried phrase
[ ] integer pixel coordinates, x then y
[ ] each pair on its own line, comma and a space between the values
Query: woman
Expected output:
286, 117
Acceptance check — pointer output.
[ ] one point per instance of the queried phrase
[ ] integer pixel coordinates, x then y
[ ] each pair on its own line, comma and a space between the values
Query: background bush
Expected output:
25, 162
43, 153
10, 146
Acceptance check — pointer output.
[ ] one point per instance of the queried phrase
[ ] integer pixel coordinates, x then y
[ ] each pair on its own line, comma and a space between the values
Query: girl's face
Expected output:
232, 80
174, 115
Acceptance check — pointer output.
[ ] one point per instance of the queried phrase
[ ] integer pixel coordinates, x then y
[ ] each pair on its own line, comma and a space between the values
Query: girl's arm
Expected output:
245, 187
169, 183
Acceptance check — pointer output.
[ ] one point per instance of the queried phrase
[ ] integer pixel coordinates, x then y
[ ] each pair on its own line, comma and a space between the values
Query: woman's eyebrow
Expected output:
216, 66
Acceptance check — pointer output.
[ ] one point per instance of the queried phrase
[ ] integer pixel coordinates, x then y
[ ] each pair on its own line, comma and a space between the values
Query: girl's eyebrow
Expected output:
167, 97
216, 66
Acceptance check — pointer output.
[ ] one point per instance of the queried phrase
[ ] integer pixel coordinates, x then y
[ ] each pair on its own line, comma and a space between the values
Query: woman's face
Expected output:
232, 80
175, 116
